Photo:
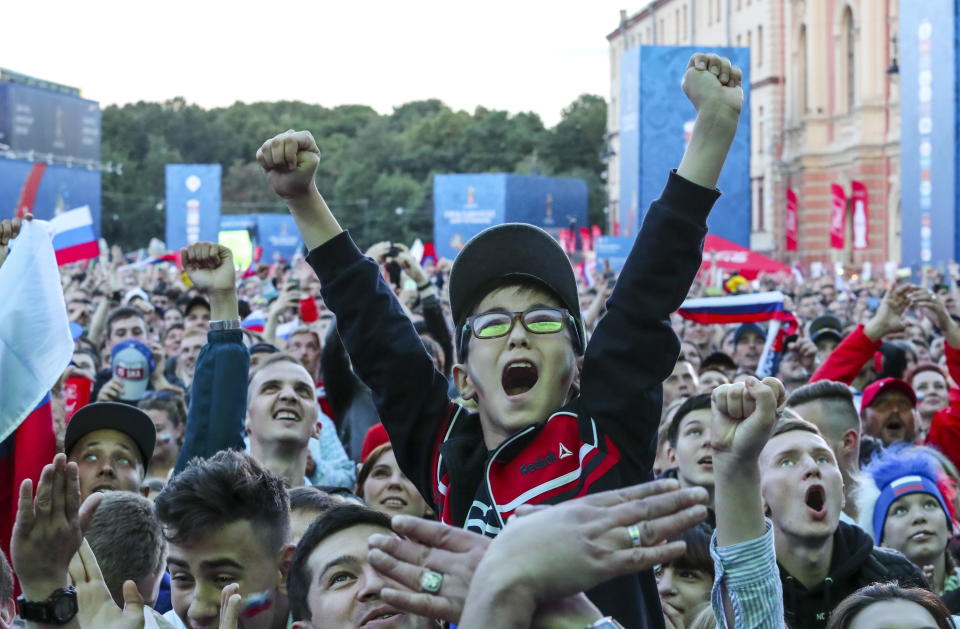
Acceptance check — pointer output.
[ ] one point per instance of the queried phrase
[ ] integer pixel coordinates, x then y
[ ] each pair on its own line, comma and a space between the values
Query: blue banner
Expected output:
278, 235
928, 146
193, 204
466, 204
613, 250
656, 123
60, 189
48, 122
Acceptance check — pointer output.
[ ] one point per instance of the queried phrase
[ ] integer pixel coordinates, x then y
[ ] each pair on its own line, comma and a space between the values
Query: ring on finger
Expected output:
634, 532
431, 581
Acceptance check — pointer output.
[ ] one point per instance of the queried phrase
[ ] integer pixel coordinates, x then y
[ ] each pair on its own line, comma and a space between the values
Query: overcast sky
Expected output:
521, 55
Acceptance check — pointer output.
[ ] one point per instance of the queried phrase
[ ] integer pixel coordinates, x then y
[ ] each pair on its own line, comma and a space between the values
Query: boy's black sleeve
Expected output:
634, 349
387, 354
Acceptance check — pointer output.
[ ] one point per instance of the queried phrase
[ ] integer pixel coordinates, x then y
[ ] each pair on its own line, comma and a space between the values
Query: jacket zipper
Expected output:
493, 458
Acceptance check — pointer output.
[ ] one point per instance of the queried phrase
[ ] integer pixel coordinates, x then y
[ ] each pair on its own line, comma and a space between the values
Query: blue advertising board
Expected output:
613, 250
656, 121
466, 204
193, 204
60, 189
928, 144
276, 233
49, 122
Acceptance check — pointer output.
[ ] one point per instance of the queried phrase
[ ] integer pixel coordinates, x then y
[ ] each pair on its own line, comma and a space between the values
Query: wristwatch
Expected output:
59, 609
225, 324
606, 623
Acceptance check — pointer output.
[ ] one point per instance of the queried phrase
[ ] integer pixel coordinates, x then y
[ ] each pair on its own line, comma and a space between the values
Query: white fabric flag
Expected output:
35, 340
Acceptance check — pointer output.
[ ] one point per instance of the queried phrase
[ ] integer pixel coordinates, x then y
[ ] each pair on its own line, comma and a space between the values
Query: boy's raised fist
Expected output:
290, 161
712, 81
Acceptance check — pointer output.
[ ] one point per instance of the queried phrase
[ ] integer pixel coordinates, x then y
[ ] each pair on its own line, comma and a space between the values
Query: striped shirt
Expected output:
747, 574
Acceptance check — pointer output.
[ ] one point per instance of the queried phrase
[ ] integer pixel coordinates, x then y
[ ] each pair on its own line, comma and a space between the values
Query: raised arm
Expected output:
634, 348
747, 585
849, 357
218, 399
384, 347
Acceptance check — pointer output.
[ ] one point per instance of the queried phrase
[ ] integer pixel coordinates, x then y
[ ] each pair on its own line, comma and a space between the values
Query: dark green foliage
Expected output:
371, 164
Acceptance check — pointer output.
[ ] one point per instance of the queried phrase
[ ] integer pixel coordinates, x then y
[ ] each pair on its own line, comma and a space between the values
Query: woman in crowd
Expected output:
878, 604
383, 486
909, 507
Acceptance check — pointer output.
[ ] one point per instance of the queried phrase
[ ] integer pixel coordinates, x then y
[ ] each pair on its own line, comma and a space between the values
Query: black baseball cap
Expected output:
508, 251
826, 326
124, 418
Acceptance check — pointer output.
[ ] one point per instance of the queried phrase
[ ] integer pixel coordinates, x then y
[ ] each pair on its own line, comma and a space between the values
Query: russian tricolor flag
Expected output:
73, 236
752, 308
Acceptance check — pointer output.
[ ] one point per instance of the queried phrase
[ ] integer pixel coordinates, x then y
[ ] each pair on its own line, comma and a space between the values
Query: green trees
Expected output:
376, 170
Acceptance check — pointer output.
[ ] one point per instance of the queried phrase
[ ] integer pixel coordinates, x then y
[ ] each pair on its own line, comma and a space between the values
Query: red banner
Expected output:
861, 214
792, 220
586, 241
838, 216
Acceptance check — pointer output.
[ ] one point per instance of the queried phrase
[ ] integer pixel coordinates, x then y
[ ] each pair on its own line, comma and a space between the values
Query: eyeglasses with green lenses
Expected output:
540, 320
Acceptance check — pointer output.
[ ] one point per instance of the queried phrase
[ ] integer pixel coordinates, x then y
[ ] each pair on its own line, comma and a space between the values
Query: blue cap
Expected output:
899, 487
748, 328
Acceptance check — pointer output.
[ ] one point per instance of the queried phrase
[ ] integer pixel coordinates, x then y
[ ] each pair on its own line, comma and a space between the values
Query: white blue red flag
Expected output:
751, 308
35, 347
73, 236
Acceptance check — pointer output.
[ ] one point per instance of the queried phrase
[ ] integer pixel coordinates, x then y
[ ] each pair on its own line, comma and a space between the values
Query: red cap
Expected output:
375, 437
886, 384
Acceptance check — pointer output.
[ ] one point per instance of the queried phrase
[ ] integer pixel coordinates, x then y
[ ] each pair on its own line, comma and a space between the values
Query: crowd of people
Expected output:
367, 439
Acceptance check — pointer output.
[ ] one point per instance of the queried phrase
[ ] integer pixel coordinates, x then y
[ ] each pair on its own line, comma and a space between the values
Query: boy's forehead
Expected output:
700, 416
516, 298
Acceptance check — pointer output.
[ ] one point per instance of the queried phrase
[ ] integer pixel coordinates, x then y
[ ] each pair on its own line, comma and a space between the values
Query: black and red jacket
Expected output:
604, 438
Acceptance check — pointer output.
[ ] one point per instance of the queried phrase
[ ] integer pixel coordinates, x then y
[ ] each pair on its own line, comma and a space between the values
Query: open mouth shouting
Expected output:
519, 377
706, 462
816, 501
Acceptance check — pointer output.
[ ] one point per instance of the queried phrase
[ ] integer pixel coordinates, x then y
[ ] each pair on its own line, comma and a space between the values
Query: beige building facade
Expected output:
824, 109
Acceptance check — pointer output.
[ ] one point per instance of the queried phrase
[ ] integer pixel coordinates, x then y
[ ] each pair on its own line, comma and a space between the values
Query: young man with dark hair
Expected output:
556, 417
226, 520
306, 505
333, 585
748, 341
126, 537
682, 383
689, 444
829, 406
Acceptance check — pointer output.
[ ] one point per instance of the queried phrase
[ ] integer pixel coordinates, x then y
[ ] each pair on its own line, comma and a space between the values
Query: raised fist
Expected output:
889, 317
711, 80
290, 161
744, 415
209, 266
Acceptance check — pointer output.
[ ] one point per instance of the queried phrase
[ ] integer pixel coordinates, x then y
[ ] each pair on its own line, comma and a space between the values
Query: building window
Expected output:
759, 46
750, 45
685, 29
709, 12
662, 35
676, 26
760, 130
719, 12
850, 43
761, 224
801, 92
739, 40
